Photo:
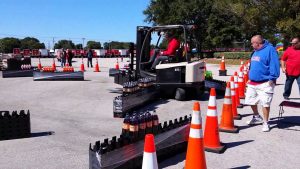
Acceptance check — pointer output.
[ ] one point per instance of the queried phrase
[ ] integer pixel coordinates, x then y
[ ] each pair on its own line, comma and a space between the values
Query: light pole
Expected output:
83, 43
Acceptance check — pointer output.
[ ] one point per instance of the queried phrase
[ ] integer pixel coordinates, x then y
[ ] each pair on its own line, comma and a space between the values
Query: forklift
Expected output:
180, 77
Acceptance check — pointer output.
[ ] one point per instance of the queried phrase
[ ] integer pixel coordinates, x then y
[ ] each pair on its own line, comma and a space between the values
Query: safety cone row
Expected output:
241, 84
227, 122
149, 156
211, 133
97, 69
195, 155
53, 65
82, 66
117, 67
237, 93
39, 65
233, 99
222, 71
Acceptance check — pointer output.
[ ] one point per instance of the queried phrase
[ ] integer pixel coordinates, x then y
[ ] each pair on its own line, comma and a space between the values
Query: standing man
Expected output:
263, 72
89, 56
63, 57
290, 64
70, 57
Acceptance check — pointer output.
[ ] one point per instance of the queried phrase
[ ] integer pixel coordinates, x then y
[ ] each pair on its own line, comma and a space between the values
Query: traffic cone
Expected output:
82, 66
241, 84
237, 93
222, 71
242, 62
39, 65
117, 65
233, 99
211, 134
195, 156
53, 65
97, 69
227, 122
149, 157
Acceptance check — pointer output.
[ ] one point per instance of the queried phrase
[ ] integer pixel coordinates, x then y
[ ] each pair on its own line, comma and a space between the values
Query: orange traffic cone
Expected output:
233, 99
242, 62
237, 93
211, 134
82, 66
117, 65
149, 157
97, 69
195, 156
227, 122
53, 65
39, 65
222, 71
241, 84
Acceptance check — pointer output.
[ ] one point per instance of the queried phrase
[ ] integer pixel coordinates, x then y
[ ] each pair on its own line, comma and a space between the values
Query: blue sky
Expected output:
99, 20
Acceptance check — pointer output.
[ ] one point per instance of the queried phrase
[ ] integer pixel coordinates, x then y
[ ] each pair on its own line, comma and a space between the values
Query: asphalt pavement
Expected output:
77, 113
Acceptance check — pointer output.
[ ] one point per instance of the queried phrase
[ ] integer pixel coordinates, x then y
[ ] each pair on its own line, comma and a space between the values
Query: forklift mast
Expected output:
140, 39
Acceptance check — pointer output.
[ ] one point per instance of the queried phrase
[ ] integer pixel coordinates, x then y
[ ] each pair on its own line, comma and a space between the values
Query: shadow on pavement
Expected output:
40, 134
242, 167
246, 115
175, 160
286, 122
238, 143
248, 126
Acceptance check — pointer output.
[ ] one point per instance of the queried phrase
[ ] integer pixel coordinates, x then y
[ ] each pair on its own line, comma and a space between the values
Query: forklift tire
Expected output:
180, 94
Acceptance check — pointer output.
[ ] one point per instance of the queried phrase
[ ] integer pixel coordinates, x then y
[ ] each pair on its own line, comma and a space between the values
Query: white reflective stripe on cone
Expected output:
149, 161
211, 112
227, 101
196, 133
196, 118
212, 101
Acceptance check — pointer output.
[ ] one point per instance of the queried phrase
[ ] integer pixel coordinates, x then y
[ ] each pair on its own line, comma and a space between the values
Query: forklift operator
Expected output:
173, 45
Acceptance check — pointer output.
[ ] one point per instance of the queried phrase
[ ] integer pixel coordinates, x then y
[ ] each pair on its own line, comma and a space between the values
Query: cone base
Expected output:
222, 72
218, 150
242, 97
240, 106
97, 71
229, 130
238, 117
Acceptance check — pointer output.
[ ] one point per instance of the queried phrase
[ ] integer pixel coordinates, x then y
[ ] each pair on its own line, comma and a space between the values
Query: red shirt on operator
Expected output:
292, 58
172, 47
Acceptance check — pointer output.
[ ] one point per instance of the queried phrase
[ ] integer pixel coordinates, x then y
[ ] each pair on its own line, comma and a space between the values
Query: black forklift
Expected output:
179, 78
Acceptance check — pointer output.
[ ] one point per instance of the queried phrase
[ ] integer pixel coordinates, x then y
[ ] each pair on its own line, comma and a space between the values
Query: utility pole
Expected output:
53, 42
83, 43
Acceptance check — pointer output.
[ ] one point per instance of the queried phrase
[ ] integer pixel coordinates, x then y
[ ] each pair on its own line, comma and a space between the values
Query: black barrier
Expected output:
219, 85
128, 153
14, 125
17, 73
58, 76
126, 103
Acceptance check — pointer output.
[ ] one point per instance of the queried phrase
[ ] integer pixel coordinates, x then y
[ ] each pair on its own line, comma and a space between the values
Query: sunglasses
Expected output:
293, 43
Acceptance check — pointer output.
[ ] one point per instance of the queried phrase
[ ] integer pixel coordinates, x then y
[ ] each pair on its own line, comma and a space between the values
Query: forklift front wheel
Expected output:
180, 94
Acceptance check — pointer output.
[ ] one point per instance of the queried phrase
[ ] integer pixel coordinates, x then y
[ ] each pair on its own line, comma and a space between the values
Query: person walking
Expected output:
63, 57
89, 56
70, 57
263, 72
290, 65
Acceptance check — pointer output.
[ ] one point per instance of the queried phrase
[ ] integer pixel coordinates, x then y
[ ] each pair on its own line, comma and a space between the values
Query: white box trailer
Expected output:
44, 52
102, 52
97, 51
123, 52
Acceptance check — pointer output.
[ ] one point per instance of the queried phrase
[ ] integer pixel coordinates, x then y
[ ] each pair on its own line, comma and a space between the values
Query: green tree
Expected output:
106, 45
93, 45
66, 44
78, 46
31, 43
7, 44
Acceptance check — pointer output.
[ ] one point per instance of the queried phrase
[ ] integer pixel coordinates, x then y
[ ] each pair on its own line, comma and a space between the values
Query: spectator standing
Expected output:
290, 65
89, 56
63, 57
70, 57
263, 72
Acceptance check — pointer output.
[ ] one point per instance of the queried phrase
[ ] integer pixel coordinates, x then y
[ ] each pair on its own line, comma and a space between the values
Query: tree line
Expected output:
220, 23
7, 44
